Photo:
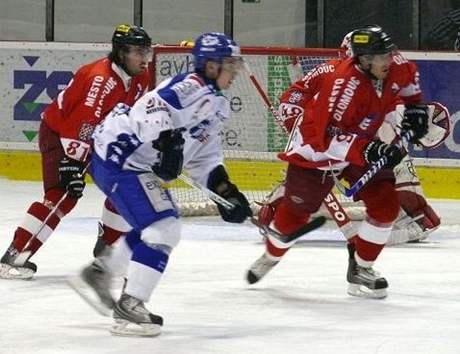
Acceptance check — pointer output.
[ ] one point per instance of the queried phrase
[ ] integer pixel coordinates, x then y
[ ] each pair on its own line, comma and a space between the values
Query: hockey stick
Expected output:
22, 257
331, 202
371, 172
314, 224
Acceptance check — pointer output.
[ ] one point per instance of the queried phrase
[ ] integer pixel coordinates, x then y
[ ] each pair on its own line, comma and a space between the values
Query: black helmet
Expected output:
371, 40
134, 35
125, 35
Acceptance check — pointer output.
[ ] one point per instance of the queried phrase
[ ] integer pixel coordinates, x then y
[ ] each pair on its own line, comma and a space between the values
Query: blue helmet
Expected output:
213, 46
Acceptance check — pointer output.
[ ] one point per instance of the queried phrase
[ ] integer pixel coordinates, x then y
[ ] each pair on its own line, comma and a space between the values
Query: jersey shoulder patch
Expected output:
183, 90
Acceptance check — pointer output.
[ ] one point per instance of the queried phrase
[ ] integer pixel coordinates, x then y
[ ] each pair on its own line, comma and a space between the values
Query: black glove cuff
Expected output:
218, 181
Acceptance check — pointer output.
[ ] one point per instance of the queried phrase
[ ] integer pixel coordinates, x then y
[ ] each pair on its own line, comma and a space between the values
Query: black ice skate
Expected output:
260, 268
364, 281
133, 319
93, 285
10, 270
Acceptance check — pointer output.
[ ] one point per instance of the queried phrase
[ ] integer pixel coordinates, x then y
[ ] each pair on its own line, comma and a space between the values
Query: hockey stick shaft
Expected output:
22, 257
211, 195
262, 93
371, 172
314, 224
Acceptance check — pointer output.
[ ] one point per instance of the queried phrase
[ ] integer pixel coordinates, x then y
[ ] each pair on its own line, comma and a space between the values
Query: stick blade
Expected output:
311, 226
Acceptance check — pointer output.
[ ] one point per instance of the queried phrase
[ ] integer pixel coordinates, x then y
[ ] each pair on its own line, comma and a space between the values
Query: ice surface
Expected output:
301, 307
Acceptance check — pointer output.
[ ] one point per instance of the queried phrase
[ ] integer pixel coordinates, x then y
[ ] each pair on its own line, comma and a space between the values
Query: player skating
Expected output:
175, 125
65, 143
417, 219
338, 136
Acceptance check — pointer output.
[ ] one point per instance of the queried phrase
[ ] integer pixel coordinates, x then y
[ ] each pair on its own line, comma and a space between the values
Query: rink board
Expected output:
33, 73
438, 182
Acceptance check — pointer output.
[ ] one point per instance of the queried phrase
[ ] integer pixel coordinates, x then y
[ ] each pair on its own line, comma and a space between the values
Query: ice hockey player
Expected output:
417, 219
65, 143
177, 124
338, 136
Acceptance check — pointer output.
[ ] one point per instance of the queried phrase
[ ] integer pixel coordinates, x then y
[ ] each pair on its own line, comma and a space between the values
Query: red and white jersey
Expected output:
344, 118
407, 79
292, 101
92, 93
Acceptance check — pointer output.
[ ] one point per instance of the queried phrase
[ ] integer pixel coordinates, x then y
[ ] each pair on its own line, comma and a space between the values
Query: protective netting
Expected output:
251, 138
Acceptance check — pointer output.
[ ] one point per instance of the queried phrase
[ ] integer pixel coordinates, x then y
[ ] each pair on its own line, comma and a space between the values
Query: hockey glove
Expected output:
170, 143
71, 177
376, 149
219, 183
415, 121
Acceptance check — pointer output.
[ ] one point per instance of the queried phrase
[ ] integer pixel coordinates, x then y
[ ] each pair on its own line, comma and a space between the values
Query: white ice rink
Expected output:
301, 307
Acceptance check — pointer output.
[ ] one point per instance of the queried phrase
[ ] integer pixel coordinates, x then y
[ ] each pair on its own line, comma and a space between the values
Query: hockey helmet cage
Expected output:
371, 40
213, 46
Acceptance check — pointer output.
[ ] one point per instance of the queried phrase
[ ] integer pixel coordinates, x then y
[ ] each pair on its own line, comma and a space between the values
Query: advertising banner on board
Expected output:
32, 75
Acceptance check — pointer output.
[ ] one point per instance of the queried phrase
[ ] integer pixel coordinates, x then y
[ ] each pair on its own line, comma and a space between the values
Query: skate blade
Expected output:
362, 291
13, 272
125, 328
77, 284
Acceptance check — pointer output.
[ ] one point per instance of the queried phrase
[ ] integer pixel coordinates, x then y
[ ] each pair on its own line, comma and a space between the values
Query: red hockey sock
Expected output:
34, 231
33, 227
110, 235
366, 250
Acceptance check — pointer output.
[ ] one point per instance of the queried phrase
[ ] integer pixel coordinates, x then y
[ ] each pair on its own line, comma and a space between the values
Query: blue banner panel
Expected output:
440, 81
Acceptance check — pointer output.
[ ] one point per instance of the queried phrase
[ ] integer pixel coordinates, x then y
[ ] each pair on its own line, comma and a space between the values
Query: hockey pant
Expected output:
305, 190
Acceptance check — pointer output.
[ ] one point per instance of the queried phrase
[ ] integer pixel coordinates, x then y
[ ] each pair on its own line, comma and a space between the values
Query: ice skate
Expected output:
93, 285
364, 281
9, 270
260, 268
133, 319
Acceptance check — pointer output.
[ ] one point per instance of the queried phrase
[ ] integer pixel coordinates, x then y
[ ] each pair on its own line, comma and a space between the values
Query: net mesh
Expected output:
251, 138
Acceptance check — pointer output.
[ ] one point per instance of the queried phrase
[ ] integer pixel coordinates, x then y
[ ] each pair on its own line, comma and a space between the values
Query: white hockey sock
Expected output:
117, 261
142, 279
145, 269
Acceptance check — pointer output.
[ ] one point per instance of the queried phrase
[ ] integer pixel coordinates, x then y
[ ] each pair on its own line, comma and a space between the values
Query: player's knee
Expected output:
385, 215
165, 232
52, 196
382, 204
287, 220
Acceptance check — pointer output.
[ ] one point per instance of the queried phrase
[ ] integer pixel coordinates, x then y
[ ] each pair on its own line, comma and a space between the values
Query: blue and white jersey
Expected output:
124, 139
